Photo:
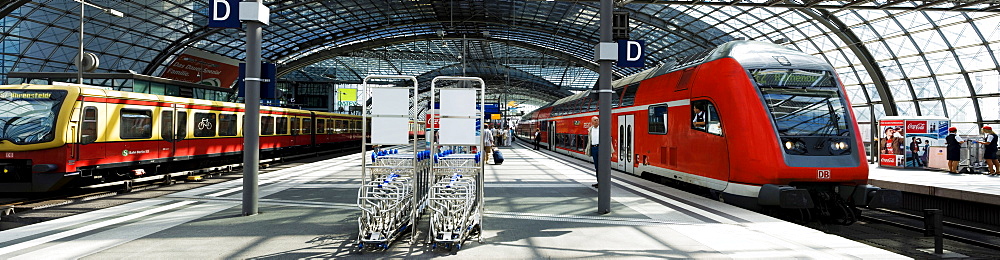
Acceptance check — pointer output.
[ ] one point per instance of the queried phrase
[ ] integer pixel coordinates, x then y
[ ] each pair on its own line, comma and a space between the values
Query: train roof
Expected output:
750, 55
102, 92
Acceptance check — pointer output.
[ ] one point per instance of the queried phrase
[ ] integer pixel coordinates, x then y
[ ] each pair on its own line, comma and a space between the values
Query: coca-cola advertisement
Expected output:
916, 127
891, 160
911, 142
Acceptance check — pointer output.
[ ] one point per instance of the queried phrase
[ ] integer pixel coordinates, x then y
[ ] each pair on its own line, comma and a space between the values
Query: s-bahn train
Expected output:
758, 125
53, 137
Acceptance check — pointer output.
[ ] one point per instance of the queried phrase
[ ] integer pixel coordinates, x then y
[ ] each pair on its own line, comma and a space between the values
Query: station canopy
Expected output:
931, 58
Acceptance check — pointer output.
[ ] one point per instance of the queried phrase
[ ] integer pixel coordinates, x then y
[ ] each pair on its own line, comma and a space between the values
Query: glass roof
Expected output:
894, 57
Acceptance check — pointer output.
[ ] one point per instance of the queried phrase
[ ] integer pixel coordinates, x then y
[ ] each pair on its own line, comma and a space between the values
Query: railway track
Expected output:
11, 204
963, 233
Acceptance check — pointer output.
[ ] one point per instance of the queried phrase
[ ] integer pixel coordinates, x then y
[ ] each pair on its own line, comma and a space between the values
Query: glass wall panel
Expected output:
906, 108
925, 88
932, 108
953, 86
961, 110
862, 113
986, 82
990, 107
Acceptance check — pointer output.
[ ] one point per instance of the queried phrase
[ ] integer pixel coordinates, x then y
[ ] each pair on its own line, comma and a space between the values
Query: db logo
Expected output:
822, 174
10, 155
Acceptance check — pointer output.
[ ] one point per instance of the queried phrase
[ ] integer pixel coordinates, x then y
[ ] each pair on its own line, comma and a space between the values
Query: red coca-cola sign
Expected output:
916, 126
888, 160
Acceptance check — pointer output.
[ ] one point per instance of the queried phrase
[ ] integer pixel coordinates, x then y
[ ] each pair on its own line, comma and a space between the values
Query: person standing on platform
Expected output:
954, 143
538, 137
487, 143
990, 152
593, 134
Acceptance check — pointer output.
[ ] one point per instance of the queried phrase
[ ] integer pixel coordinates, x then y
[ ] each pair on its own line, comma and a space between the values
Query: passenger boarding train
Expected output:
777, 131
60, 136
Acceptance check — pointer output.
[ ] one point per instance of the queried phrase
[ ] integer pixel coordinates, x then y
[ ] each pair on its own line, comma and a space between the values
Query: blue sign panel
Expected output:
943, 129
631, 53
267, 89
224, 14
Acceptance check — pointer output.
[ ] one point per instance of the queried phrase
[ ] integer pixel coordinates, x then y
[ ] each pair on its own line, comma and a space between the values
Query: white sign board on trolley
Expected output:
390, 102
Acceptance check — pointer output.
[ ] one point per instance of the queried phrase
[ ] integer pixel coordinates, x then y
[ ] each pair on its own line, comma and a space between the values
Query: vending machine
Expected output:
913, 142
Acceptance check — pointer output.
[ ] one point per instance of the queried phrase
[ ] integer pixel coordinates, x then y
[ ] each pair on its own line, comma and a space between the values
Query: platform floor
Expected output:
970, 187
538, 206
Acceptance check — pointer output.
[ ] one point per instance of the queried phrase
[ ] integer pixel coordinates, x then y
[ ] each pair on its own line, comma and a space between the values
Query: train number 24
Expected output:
822, 174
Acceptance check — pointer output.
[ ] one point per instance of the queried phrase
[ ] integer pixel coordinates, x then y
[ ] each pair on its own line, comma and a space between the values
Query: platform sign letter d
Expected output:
630, 53
224, 14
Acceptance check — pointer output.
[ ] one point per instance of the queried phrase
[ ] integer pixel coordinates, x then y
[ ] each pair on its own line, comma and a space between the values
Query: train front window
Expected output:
803, 102
29, 116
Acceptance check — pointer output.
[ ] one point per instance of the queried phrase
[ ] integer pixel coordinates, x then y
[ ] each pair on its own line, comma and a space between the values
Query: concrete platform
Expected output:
538, 206
970, 187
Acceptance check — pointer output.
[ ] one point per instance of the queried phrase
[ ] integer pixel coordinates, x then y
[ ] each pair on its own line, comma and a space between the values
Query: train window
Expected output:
167, 125
320, 126
282, 125
136, 124
88, 131
616, 98
267, 125
657, 119
227, 125
295, 126
705, 118
629, 98
329, 126
205, 125
307, 125
182, 118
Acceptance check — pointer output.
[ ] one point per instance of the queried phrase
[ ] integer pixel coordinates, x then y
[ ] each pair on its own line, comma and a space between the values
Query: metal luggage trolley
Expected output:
456, 195
393, 187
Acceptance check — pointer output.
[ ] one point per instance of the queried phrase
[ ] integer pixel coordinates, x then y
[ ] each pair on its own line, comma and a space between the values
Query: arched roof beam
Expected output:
955, 5
857, 46
501, 69
342, 50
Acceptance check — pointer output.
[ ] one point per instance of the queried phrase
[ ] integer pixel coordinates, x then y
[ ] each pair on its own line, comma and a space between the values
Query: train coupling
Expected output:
785, 196
871, 196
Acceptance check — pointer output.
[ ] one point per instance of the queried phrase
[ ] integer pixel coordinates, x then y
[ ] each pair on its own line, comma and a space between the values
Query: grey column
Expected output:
251, 127
604, 114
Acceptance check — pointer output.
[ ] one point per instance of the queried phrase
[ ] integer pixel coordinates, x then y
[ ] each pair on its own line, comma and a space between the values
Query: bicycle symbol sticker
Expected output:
204, 124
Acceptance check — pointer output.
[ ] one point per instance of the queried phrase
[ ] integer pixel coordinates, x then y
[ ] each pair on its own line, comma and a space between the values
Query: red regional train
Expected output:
758, 125
53, 137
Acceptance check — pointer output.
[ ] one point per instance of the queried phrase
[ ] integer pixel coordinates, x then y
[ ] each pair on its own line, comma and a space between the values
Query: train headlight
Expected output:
795, 146
838, 146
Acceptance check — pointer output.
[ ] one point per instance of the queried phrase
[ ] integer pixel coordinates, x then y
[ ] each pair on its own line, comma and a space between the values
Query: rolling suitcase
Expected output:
497, 157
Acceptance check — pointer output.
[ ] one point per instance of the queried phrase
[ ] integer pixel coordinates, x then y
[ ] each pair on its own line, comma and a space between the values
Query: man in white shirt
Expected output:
595, 139
700, 118
487, 143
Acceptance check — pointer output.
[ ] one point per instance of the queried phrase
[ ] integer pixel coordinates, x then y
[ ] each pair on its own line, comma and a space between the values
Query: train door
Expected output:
626, 142
552, 135
180, 131
708, 152
90, 129
173, 130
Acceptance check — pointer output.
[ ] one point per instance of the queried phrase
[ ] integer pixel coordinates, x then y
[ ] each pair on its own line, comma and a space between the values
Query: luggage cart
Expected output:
454, 200
456, 193
393, 185
387, 199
